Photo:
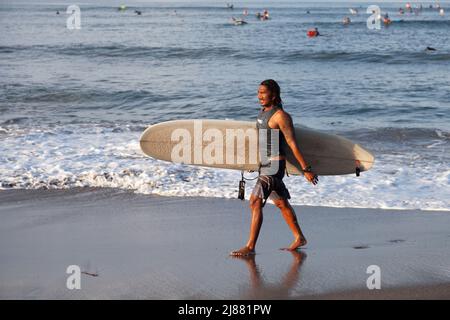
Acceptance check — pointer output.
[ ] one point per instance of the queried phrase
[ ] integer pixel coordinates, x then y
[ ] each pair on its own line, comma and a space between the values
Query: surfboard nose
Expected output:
364, 157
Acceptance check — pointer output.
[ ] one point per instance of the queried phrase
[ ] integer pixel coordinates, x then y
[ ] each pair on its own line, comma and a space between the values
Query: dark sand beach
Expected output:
75, 102
133, 246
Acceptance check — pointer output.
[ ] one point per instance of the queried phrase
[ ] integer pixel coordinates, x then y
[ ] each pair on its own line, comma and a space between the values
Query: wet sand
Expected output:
133, 246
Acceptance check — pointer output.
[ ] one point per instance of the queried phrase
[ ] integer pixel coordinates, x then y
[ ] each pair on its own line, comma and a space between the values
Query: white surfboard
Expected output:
231, 145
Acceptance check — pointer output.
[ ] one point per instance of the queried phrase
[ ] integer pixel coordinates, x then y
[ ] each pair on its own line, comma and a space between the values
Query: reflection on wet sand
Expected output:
260, 290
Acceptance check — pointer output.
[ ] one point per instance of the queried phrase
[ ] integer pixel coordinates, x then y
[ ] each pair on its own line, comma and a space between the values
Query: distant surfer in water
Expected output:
311, 33
270, 185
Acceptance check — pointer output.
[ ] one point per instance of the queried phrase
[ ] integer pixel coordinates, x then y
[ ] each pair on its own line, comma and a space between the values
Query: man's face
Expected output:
265, 97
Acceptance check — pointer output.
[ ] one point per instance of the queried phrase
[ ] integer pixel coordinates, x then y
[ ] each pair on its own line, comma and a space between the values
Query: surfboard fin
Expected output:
358, 168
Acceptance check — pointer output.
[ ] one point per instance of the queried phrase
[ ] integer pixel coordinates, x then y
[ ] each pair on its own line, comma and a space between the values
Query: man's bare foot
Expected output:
299, 242
243, 252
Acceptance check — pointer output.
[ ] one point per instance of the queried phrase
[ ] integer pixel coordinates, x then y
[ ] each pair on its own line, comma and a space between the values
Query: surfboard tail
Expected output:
364, 159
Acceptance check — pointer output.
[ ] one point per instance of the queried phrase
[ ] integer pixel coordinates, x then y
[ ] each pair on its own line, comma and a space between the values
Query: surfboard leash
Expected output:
241, 193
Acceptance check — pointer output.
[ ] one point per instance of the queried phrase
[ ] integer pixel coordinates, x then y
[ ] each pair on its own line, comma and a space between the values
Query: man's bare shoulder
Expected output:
282, 117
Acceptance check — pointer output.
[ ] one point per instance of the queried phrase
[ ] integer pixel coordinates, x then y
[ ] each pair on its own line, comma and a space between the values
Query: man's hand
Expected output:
311, 177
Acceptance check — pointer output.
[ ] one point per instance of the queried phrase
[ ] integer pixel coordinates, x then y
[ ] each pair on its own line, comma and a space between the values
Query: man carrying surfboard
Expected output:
270, 184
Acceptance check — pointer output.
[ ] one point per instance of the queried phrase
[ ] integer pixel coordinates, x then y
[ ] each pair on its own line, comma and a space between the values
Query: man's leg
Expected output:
255, 226
291, 219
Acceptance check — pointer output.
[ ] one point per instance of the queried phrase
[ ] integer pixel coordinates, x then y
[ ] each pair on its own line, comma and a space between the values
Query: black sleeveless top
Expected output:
262, 122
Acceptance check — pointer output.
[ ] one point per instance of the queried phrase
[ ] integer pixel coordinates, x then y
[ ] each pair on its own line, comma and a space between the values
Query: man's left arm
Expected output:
287, 128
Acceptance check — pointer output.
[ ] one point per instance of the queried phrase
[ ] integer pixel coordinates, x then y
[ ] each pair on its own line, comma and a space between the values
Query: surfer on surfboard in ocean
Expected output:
270, 184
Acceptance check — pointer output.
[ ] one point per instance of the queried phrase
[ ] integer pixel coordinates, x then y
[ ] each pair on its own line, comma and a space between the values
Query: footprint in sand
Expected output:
396, 241
390, 241
361, 247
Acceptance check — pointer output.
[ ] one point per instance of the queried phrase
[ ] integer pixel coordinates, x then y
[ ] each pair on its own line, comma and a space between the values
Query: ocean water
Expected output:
73, 103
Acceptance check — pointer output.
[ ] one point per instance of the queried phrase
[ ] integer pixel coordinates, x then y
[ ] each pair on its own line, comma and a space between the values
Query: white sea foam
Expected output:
102, 157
